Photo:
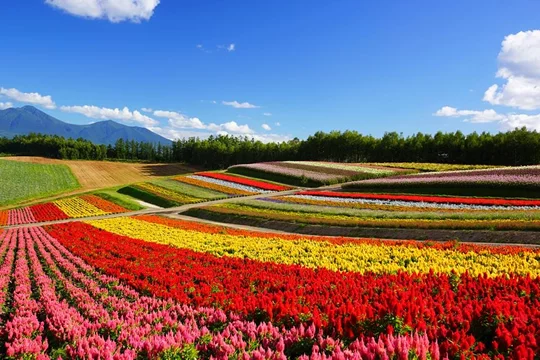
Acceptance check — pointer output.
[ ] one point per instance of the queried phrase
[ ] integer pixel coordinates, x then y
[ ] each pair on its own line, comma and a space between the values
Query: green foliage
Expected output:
21, 181
124, 201
147, 197
188, 352
190, 190
517, 147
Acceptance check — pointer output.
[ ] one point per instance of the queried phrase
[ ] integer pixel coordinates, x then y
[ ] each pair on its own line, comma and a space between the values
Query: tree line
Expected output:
516, 147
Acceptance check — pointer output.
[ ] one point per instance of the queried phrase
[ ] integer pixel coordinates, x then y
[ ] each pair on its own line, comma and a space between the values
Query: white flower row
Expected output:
229, 184
418, 204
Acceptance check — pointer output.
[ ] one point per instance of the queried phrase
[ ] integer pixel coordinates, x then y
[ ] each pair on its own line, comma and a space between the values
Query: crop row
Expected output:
526, 177
351, 255
417, 201
75, 207
368, 220
229, 184
59, 307
469, 316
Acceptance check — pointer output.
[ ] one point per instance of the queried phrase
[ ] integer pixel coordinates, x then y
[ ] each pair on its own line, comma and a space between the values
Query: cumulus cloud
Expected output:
147, 110
179, 120
5, 105
237, 105
277, 124
112, 10
231, 47
102, 113
175, 134
506, 121
231, 127
29, 98
267, 114
266, 127
519, 67
474, 116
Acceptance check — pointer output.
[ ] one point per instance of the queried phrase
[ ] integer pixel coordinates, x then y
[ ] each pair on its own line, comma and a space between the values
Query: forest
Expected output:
516, 147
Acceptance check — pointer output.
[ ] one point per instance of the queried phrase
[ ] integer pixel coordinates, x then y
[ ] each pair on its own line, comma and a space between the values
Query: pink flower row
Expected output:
95, 316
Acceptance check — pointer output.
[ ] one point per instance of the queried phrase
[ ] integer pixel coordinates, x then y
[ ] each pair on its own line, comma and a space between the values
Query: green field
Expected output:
21, 181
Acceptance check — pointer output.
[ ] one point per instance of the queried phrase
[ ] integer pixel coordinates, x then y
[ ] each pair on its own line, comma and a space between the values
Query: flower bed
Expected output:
469, 314
244, 181
526, 177
64, 308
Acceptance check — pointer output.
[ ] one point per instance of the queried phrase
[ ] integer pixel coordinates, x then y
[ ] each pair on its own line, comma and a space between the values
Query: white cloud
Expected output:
506, 121
124, 114
231, 127
237, 105
112, 10
277, 124
180, 121
29, 98
266, 127
174, 134
5, 105
267, 114
519, 66
231, 47
474, 116
147, 110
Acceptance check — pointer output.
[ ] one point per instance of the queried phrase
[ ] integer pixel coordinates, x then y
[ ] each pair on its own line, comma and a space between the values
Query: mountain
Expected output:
27, 119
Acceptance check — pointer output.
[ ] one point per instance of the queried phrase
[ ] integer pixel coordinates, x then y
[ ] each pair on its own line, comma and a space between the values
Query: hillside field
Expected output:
20, 181
346, 271
101, 174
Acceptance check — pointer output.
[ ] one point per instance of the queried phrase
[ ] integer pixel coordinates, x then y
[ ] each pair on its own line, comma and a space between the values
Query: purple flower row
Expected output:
275, 168
92, 315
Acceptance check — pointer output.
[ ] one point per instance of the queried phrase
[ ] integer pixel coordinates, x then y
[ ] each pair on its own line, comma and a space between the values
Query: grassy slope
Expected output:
194, 191
119, 199
22, 181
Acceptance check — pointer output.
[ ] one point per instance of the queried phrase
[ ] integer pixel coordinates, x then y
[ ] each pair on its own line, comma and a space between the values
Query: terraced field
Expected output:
153, 286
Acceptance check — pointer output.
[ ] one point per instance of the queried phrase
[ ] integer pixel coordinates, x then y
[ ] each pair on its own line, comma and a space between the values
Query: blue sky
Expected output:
275, 69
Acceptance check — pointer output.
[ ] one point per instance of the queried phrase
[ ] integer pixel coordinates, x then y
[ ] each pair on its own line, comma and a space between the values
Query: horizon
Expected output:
185, 69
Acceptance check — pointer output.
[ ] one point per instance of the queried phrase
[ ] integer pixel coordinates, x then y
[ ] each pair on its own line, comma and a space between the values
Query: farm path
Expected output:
174, 214
173, 210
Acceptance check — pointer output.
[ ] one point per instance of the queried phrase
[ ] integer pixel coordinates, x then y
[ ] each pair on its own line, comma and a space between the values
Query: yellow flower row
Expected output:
357, 257
76, 207
370, 221
167, 193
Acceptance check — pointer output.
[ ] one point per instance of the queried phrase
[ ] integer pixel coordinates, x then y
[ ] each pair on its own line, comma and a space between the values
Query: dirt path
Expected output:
174, 213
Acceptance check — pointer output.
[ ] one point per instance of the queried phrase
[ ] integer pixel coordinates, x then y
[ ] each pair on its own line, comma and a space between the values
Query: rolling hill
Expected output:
28, 119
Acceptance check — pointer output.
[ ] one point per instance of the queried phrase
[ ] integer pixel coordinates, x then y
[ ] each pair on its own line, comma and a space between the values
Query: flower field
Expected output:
312, 173
74, 207
433, 166
302, 297
230, 184
523, 178
60, 307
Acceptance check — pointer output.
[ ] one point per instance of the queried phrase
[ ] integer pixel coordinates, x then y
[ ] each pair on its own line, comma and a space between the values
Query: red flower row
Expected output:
47, 212
422, 198
244, 181
468, 316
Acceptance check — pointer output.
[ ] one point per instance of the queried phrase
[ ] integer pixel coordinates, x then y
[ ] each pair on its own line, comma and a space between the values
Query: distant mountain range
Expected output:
28, 119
